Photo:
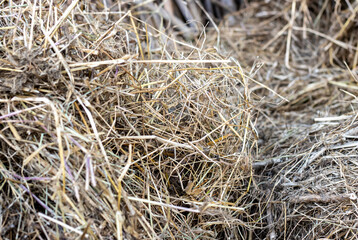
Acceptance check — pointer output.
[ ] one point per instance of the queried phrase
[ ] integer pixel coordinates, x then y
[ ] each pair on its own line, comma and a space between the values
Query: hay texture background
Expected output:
178, 119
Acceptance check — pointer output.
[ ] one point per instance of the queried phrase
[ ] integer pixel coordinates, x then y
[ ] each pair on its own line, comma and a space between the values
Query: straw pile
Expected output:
111, 128
121, 121
305, 182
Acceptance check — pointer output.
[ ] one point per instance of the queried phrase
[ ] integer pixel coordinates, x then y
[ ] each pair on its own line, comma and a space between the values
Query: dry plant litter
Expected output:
152, 120
111, 128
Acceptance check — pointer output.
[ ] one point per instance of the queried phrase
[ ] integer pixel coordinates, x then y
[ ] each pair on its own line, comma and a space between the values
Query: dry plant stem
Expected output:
270, 222
175, 144
19, 111
123, 61
119, 223
266, 163
136, 33
289, 35
32, 26
313, 198
60, 223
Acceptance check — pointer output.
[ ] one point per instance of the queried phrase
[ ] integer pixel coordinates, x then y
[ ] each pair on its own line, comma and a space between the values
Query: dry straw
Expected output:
305, 173
112, 128
115, 125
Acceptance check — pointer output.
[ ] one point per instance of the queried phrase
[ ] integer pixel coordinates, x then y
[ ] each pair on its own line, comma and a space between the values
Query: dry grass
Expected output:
112, 125
305, 172
112, 129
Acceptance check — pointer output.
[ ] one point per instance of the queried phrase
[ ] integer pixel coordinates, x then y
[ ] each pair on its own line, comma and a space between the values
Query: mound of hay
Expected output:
305, 172
135, 121
112, 129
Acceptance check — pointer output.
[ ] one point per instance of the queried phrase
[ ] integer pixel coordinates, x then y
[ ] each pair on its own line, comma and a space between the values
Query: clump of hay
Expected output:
110, 127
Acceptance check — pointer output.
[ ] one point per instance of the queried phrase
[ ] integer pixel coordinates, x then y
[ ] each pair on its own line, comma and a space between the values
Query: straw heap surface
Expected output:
111, 128
305, 172
152, 120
